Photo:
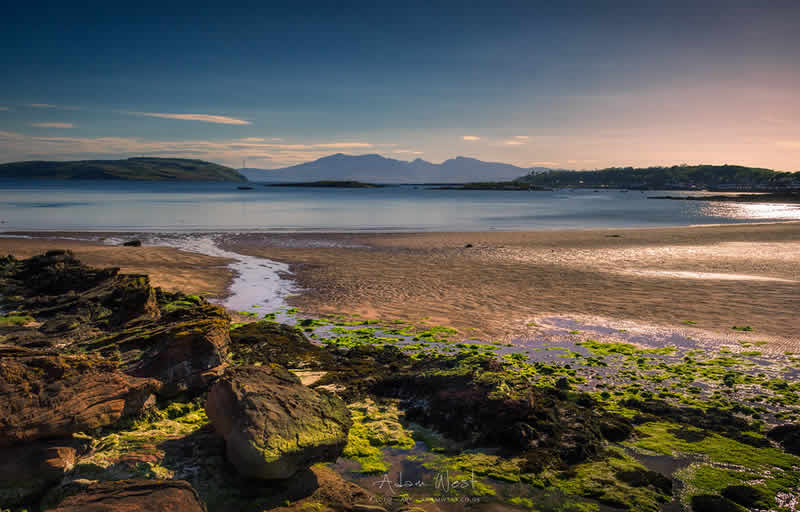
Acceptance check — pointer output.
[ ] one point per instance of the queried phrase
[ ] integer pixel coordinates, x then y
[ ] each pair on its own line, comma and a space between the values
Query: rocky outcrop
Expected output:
130, 496
475, 400
179, 340
58, 272
28, 470
51, 396
74, 301
183, 356
269, 342
274, 426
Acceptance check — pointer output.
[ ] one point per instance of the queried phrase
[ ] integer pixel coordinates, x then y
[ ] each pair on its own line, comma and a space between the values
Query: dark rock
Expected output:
615, 428
712, 503
713, 419
57, 272
131, 298
130, 496
180, 340
186, 356
28, 470
50, 396
644, 478
555, 427
273, 425
747, 496
332, 490
269, 342
132, 243
788, 436
62, 324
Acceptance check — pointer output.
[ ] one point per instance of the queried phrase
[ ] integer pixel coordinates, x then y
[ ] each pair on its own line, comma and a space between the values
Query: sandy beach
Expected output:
493, 285
168, 268
717, 276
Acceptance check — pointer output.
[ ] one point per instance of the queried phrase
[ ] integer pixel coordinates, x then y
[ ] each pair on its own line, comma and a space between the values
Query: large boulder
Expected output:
130, 496
50, 396
273, 425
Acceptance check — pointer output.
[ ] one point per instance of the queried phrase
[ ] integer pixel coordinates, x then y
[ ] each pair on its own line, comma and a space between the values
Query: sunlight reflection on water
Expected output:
752, 211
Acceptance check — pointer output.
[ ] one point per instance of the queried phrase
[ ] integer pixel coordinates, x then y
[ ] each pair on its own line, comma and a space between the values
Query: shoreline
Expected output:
25, 233
717, 276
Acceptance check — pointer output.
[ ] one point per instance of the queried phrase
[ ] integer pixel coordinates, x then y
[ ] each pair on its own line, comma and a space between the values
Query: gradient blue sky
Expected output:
573, 85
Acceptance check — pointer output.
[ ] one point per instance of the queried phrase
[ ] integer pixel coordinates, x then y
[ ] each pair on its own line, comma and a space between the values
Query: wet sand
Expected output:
168, 268
715, 276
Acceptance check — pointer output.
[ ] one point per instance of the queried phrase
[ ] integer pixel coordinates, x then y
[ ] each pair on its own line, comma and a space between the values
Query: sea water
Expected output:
217, 207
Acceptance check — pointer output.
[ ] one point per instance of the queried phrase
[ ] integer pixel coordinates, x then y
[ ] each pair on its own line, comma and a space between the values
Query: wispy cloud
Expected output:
50, 105
206, 118
407, 152
3, 108
53, 125
514, 142
791, 144
471, 137
521, 137
342, 145
544, 164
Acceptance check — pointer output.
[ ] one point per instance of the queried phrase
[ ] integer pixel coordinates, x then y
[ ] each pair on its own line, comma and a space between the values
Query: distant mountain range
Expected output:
143, 169
379, 169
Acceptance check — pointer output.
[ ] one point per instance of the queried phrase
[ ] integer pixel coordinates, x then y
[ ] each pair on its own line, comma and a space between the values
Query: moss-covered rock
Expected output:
788, 436
272, 424
268, 342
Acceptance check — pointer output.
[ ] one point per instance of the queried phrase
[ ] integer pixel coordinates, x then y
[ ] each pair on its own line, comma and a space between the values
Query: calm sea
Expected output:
207, 207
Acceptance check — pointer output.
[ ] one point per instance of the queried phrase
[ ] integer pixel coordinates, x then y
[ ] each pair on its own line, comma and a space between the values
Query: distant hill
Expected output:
683, 177
155, 169
379, 169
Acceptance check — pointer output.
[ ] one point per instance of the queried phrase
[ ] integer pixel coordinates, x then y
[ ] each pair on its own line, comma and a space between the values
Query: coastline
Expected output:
716, 276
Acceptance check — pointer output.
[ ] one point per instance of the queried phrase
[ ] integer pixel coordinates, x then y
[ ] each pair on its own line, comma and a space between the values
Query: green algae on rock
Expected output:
272, 424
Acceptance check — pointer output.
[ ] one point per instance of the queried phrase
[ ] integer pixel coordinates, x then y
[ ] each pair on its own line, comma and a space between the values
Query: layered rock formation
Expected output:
97, 375
130, 496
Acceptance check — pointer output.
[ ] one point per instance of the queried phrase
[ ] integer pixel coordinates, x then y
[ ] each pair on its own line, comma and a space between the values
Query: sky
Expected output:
576, 85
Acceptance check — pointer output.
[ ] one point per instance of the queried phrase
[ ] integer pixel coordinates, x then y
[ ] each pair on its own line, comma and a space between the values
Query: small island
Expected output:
328, 184
130, 169
494, 185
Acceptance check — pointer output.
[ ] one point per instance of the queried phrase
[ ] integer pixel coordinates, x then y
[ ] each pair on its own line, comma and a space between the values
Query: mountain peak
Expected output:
374, 168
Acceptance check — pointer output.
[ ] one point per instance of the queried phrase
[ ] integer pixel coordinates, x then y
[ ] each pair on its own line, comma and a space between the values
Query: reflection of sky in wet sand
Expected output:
683, 274
741, 260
